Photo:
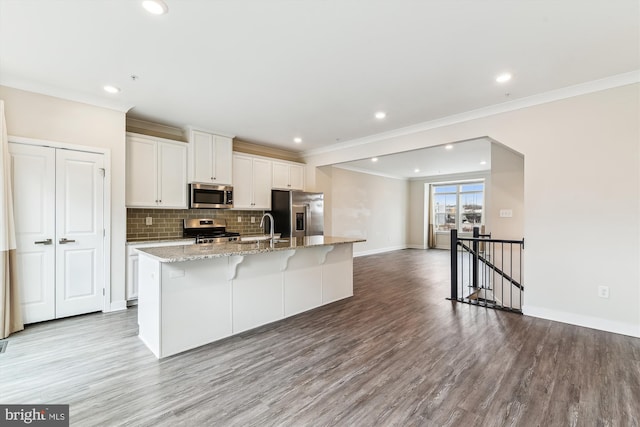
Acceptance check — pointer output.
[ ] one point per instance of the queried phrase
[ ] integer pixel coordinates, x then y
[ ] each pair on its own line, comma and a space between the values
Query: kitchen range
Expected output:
208, 230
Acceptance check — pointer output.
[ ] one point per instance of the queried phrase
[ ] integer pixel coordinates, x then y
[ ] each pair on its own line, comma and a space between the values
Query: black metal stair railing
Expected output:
486, 271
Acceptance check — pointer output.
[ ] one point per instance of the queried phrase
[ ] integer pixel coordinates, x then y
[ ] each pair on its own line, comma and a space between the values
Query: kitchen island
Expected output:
192, 295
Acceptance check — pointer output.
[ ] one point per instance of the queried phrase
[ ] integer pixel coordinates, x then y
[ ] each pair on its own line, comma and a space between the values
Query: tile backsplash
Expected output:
167, 223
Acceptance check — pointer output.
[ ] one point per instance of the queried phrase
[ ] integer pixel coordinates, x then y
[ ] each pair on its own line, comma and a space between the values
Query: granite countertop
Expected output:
206, 251
175, 239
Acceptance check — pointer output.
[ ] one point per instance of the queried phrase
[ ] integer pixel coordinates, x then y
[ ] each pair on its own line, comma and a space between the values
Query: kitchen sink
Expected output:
276, 240
258, 239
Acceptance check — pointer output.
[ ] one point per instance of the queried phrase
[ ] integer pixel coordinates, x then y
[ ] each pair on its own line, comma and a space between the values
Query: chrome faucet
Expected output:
272, 223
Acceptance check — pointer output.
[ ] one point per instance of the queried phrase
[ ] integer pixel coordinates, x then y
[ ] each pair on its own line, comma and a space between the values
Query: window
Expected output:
459, 206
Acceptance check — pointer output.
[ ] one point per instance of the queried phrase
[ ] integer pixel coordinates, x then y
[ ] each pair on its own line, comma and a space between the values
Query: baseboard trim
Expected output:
118, 305
585, 321
379, 251
416, 247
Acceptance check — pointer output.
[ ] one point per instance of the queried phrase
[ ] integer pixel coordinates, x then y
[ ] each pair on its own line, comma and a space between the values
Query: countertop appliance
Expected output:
298, 213
210, 196
208, 230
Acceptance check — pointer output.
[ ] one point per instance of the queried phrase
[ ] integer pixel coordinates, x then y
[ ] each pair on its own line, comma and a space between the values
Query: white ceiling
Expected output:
462, 157
268, 71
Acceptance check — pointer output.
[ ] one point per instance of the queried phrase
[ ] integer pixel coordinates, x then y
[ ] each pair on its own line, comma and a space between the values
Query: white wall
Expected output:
371, 207
507, 192
36, 116
582, 151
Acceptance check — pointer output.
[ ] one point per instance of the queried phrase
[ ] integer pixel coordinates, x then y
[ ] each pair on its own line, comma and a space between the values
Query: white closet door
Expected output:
33, 170
79, 232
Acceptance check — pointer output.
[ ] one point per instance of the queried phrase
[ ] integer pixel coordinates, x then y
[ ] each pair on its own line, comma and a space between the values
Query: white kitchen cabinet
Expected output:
210, 158
257, 292
251, 182
337, 274
288, 176
156, 173
132, 263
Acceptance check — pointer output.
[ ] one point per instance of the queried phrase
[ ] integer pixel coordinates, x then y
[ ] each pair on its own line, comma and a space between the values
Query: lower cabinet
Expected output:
132, 263
184, 305
337, 274
257, 291
303, 282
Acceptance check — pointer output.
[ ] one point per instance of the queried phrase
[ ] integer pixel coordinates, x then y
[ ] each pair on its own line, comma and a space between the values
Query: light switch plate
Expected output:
506, 213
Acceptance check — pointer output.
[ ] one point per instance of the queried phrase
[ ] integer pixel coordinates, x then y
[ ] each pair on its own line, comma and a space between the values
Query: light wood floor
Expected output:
397, 353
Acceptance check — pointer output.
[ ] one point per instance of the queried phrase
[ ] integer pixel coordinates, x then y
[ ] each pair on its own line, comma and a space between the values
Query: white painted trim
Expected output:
369, 172
379, 251
94, 100
117, 306
106, 152
586, 321
156, 138
190, 128
422, 247
530, 101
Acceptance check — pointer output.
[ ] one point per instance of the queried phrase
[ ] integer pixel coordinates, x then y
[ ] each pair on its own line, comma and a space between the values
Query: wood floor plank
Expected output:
396, 354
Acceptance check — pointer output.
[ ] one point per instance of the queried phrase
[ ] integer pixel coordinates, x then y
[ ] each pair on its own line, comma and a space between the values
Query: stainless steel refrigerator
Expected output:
297, 213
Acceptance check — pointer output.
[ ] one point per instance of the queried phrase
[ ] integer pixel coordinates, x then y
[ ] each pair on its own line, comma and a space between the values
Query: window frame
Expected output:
459, 211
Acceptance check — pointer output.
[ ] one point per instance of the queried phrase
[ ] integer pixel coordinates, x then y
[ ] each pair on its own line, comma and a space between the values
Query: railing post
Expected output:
454, 264
474, 264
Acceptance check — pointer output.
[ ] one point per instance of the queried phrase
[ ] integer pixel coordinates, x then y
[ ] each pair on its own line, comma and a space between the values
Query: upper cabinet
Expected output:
252, 182
156, 172
210, 158
288, 176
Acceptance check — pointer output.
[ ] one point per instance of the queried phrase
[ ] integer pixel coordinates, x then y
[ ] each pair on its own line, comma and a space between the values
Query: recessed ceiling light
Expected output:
448, 147
374, 159
111, 89
156, 7
381, 115
483, 162
416, 170
297, 140
503, 78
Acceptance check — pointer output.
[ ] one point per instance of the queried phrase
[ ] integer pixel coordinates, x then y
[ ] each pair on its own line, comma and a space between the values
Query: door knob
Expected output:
64, 240
44, 242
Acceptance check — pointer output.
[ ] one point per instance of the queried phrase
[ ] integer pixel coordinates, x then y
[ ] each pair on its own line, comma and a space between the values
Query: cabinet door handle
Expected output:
64, 241
43, 242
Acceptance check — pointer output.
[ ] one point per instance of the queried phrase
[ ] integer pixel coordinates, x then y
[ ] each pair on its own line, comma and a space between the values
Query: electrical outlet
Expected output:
239, 219
253, 219
603, 291
148, 220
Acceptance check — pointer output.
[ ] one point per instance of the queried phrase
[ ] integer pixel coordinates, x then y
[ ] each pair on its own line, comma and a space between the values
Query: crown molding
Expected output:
530, 101
369, 172
67, 95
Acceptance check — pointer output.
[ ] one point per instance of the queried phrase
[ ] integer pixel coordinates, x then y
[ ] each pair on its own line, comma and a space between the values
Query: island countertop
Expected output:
205, 251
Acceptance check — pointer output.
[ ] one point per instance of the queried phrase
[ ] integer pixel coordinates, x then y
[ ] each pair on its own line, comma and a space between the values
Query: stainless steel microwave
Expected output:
209, 196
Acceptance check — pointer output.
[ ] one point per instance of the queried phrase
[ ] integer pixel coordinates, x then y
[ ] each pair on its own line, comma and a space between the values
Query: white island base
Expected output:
183, 305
